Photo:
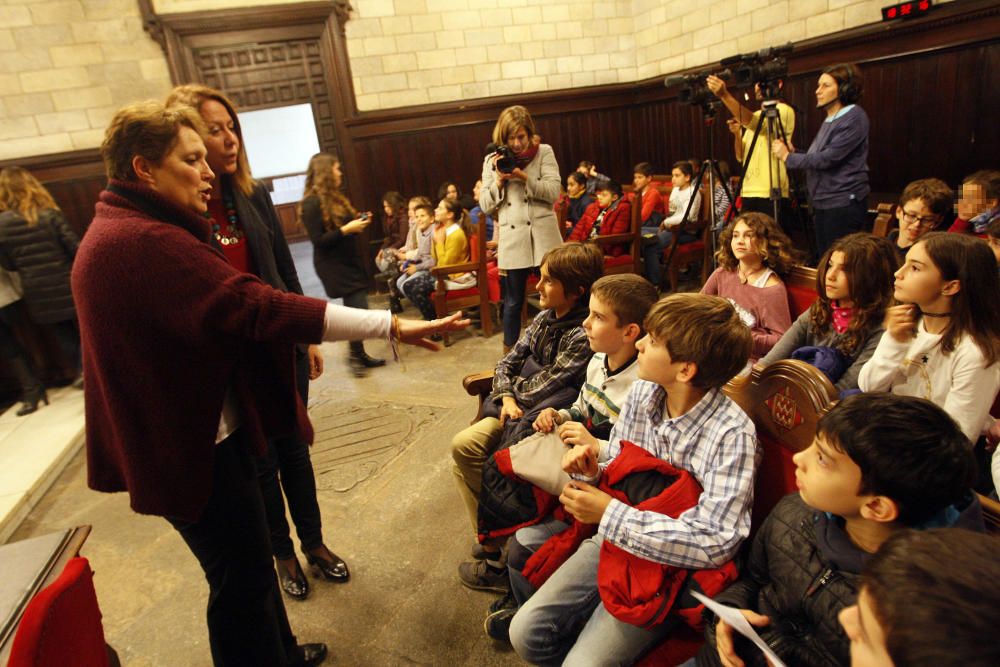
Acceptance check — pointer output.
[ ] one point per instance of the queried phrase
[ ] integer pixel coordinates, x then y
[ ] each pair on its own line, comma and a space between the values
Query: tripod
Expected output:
774, 128
711, 166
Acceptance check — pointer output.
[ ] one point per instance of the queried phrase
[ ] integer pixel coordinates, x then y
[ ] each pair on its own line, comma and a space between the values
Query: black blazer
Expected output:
265, 239
266, 242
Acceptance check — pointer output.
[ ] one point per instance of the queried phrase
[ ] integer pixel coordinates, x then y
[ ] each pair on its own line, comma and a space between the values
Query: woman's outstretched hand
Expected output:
414, 332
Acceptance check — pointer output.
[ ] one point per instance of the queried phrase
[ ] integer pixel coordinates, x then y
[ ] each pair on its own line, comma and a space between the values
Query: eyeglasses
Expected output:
926, 221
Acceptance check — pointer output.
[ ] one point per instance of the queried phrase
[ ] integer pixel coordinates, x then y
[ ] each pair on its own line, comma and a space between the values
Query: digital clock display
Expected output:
906, 10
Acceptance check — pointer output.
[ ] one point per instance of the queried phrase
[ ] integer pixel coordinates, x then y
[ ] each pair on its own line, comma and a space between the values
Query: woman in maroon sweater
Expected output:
189, 368
753, 254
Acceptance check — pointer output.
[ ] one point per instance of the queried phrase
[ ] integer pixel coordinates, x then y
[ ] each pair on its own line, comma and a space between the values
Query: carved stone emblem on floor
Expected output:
353, 442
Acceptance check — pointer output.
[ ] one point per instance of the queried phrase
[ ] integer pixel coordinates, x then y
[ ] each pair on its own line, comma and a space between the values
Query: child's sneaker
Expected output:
497, 624
481, 576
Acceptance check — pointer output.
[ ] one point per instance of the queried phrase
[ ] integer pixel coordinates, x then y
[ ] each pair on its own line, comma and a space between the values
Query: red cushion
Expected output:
617, 261
799, 299
62, 623
775, 478
692, 246
459, 293
474, 248
682, 645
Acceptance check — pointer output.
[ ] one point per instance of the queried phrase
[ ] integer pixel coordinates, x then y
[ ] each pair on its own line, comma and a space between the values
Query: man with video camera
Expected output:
760, 177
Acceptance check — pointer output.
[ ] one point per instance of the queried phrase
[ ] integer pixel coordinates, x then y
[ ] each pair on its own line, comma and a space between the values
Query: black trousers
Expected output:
833, 223
247, 624
289, 456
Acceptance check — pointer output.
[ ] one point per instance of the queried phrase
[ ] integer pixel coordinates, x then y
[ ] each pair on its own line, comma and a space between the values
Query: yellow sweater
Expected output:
454, 250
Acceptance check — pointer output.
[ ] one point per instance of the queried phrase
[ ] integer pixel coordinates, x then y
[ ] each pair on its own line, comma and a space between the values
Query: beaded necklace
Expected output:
234, 234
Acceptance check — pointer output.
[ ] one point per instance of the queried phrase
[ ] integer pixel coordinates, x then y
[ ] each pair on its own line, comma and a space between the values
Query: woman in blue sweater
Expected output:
836, 163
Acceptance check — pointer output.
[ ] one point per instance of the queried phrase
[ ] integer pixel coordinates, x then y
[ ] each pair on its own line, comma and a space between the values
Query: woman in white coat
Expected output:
522, 200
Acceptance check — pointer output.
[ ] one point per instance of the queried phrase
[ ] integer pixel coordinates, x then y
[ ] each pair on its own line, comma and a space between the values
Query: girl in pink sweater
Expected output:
753, 253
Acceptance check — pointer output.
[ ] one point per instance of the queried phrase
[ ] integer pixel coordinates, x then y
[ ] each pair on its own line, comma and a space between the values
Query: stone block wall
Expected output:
66, 66
406, 52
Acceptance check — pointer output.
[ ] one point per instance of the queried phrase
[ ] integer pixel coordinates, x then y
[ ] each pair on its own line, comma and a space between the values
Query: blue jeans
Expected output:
565, 622
515, 286
652, 252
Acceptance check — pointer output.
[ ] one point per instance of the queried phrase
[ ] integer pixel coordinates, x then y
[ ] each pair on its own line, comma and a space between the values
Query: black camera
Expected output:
694, 90
505, 164
764, 68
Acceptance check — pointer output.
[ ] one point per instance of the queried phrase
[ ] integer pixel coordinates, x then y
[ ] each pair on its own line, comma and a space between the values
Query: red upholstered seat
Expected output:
620, 260
62, 624
801, 286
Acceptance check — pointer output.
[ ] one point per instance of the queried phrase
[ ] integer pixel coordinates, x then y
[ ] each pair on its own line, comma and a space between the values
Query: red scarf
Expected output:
841, 317
522, 159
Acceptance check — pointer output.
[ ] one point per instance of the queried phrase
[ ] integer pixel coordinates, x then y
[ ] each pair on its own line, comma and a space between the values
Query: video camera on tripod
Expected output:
695, 92
763, 68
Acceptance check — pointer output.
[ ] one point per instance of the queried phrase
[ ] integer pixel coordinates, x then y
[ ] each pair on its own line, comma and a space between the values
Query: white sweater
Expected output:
678, 204
959, 382
603, 394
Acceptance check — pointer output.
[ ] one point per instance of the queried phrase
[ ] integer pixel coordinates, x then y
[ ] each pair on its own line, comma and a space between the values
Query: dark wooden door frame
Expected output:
180, 34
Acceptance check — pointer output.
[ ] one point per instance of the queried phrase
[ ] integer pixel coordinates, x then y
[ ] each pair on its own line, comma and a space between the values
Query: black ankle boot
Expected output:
32, 389
29, 404
395, 305
370, 362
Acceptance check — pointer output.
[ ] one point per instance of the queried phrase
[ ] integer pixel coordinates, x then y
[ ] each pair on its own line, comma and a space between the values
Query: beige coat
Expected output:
526, 222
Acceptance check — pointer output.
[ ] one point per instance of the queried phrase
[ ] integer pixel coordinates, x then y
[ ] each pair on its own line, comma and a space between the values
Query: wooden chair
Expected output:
681, 254
885, 219
801, 286
562, 210
991, 514
447, 301
785, 402
630, 262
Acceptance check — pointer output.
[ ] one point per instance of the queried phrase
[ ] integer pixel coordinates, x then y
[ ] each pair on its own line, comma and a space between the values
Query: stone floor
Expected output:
389, 505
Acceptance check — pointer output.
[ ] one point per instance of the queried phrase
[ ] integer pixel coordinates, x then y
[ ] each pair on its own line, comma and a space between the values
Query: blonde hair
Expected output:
704, 330
20, 191
336, 207
196, 94
509, 121
147, 129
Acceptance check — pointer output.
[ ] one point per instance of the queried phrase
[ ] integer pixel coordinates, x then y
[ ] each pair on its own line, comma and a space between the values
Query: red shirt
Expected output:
230, 235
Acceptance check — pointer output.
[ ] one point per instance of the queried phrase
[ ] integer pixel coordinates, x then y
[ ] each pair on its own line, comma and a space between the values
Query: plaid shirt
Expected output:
717, 443
563, 359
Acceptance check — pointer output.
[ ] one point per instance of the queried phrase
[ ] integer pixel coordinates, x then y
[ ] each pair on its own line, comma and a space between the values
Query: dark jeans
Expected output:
289, 455
247, 624
17, 356
357, 299
515, 287
834, 223
68, 337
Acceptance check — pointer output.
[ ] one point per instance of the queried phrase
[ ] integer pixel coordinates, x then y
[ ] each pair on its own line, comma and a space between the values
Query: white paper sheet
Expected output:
735, 619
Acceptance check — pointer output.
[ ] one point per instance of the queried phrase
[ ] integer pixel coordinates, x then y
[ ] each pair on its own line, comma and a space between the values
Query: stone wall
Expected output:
66, 66
406, 52
64, 69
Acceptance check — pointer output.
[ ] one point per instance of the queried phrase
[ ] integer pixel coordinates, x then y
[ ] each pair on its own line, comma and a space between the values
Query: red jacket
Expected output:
633, 589
167, 325
652, 201
618, 220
